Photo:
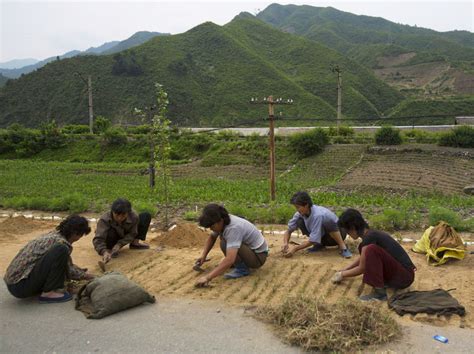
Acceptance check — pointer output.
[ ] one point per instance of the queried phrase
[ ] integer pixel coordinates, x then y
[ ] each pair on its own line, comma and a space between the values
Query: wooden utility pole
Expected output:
91, 107
271, 119
337, 70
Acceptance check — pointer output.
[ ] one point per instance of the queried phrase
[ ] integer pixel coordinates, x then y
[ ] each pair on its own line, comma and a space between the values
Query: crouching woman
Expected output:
241, 242
42, 266
382, 262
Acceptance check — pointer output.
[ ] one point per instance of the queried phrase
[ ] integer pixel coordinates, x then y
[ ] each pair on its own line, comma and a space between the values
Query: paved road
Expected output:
168, 326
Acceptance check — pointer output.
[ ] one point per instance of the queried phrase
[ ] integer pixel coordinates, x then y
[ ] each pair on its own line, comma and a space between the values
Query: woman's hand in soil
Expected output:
202, 282
289, 253
106, 256
337, 278
285, 249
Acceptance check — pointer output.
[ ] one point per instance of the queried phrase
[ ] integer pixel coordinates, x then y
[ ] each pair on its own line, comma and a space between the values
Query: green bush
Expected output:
420, 136
308, 143
101, 124
341, 131
462, 137
51, 136
115, 136
388, 136
438, 214
393, 220
75, 129
139, 129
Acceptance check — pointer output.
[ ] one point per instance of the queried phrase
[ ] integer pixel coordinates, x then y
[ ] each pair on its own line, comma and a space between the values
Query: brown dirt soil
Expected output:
421, 170
167, 272
182, 235
10, 228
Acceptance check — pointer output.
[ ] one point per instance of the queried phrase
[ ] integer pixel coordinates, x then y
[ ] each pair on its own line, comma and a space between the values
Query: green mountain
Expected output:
136, 39
417, 60
210, 73
106, 48
3, 80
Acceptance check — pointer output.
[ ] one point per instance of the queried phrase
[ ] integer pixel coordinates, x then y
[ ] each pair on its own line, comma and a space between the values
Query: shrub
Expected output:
341, 131
438, 214
101, 124
308, 143
462, 137
51, 136
392, 220
139, 129
115, 136
388, 136
421, 136
75, 129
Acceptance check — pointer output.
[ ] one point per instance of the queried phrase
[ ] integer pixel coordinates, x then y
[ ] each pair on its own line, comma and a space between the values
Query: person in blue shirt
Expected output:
316, 222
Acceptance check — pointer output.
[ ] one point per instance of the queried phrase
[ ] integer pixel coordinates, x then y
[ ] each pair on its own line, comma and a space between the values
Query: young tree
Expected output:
160, 131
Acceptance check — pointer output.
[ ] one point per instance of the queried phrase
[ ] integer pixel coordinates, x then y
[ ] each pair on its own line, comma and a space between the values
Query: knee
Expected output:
145, 217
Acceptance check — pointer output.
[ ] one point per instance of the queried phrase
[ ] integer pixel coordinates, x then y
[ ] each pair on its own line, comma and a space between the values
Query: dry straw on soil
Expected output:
345, 326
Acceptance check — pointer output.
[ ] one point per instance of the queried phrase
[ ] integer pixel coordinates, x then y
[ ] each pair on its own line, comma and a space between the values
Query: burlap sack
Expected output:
443, 235
111, 293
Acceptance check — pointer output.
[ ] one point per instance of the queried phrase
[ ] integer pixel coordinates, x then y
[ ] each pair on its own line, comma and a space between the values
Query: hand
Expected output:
202, 282
106, 256
200, 261
89, 276
337, 277
285, 248
115, 249
289, 254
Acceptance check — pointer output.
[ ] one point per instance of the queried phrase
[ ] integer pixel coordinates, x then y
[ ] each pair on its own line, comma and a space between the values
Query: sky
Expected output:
44, 28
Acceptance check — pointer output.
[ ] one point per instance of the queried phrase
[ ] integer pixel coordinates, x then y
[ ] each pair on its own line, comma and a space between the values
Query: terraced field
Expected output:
425, 170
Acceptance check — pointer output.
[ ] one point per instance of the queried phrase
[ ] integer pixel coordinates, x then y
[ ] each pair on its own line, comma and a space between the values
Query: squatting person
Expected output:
316, 222
383, 262
241, 242
43, 264
119, 227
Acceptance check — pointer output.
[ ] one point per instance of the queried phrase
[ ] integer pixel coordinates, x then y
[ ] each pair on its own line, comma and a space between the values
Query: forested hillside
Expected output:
210, 73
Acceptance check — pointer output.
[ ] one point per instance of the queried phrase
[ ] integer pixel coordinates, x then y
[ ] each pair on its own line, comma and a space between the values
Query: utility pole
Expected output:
337, 70
91, 108
271, 119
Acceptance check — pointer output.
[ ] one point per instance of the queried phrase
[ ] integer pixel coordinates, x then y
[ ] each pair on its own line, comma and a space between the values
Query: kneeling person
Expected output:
316, 222
119, 227
383, 262
43, 265
241, 242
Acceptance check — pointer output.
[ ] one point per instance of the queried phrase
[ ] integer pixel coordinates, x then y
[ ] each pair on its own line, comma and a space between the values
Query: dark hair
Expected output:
213, 213
301, 198
352, 218
121, 206
73, 225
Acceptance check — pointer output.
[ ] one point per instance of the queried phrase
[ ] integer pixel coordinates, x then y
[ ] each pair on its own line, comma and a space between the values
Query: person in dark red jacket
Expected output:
382, 262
